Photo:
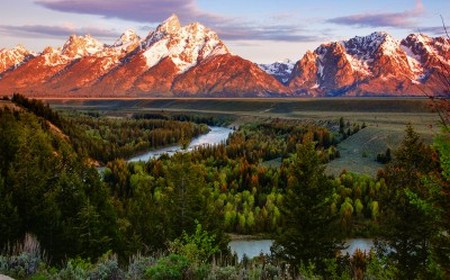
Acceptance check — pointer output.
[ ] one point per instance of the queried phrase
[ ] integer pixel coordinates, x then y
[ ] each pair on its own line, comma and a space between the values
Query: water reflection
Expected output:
253, 248
216, 135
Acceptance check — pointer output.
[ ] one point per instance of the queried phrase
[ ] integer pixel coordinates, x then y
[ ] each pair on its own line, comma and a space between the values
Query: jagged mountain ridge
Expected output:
281, 70
191, 60
10, 59
153, 66
375, 65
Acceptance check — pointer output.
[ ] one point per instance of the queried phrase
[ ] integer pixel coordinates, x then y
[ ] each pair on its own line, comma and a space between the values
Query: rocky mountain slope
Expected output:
173, 60
281, 70
191, 60
375, 65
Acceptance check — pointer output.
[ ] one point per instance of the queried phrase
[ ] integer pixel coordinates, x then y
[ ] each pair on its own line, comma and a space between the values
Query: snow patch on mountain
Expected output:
128, 41
81, 46
156, 53
281, 70
52, 57
185, 46
12, 58
362, 51
414, 63
320, 61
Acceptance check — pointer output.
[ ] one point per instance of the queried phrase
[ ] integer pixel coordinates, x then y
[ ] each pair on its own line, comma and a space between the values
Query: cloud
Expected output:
404, 19
433, 30
248, 31
55, 31
132, 10
155, 11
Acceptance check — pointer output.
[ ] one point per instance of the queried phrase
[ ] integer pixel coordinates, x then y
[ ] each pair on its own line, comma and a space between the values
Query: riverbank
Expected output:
259, 236
215, 136
254, 247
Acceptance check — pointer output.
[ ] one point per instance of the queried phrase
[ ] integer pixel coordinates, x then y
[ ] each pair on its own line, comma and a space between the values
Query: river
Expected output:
216, 135
253, 248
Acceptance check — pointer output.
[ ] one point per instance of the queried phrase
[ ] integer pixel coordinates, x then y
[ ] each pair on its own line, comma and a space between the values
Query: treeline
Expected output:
211, 120
106, 139
38, 108
46, 189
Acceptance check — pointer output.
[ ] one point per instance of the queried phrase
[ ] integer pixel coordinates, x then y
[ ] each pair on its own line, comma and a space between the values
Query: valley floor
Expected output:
385, 118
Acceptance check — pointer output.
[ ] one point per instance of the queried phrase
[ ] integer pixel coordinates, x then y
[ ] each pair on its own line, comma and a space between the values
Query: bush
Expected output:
23, 259
107, 268
384, 157
198, 247
170, 267
138, 265
76, 269
223, 273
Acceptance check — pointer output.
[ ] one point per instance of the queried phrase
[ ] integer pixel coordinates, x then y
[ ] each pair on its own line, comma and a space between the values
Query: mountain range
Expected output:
192, 61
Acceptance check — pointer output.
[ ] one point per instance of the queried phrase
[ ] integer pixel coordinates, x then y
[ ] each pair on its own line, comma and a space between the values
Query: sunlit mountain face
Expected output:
191, 60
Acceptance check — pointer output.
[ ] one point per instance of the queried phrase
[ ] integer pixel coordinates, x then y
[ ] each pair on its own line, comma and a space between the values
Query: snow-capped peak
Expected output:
389, 45
424, 50
80, 46
169, 26
418, 38
369, 45
13, 57
19, 49
129, 36
281, 69
186, 45
287, 61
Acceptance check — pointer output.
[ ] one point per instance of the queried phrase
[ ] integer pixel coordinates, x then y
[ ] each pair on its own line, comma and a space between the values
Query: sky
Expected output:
259, 30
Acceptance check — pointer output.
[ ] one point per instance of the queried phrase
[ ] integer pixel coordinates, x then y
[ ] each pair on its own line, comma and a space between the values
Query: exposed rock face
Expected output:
191, 60
162, 64
375, 65
281, 70
10, 59
222, 75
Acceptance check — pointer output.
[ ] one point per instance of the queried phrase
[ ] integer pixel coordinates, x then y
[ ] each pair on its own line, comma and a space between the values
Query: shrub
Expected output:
76, 269
107, 267
170, 267
223, 273
23, 259
138, 265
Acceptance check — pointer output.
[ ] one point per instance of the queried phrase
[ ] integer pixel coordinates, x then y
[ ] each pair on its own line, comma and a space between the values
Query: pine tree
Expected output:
309, 228
406, 229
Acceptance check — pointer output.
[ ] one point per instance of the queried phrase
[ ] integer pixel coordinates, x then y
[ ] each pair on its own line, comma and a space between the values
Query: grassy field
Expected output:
385, 118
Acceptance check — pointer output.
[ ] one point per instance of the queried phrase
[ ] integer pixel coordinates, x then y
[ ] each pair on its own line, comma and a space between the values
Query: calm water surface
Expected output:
216, 135
253, 248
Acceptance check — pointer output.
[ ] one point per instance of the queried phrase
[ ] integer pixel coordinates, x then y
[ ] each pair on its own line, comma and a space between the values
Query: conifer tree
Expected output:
309, 228
406, 229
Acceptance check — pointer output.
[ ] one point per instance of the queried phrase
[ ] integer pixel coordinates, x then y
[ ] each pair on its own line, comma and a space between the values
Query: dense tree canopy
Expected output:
407, 230
267, 178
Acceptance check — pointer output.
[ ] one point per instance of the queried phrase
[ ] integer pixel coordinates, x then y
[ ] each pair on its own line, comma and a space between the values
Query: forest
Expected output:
170, 217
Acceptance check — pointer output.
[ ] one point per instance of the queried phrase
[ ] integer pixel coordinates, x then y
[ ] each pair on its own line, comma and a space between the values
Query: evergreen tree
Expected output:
309, 227
440, 186
47, 190
184, 195
406, 229
436, 207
